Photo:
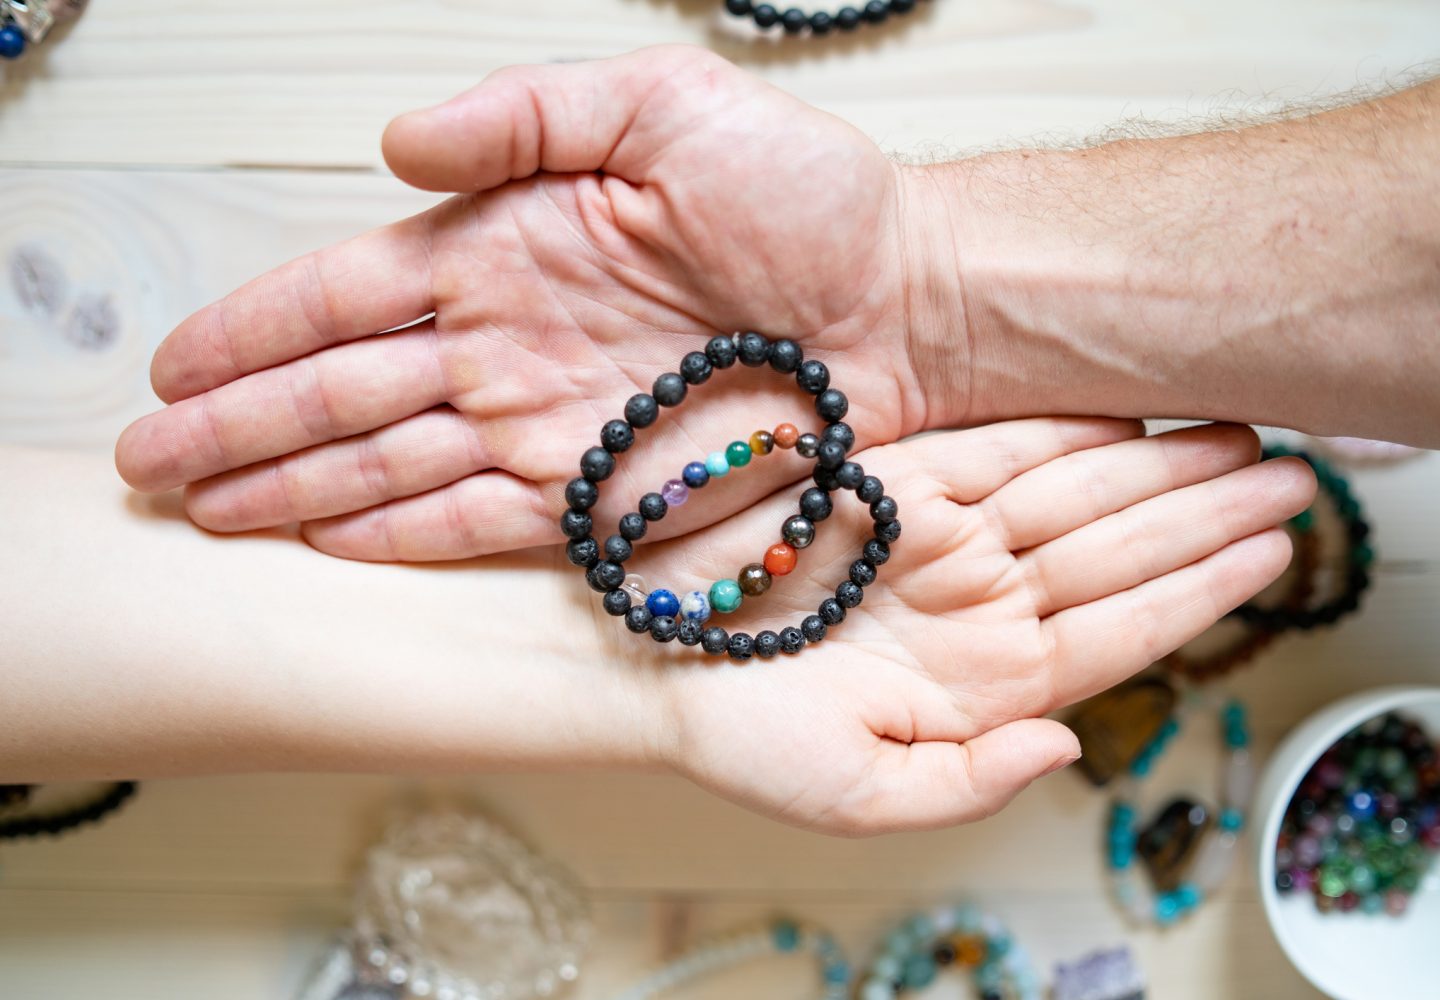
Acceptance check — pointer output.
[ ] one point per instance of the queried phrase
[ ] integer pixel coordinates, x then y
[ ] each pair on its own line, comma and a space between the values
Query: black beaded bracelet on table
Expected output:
794, 20
832, 471
1358, 557
112, 798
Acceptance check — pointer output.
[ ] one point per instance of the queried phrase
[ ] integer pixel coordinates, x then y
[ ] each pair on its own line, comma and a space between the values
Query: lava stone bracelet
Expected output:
663, 615
53, 824
794, 20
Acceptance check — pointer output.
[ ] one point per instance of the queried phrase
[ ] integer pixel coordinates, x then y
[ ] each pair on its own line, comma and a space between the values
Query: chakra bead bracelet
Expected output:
51, 824
795, 21
663, 614
915, 952
781, 937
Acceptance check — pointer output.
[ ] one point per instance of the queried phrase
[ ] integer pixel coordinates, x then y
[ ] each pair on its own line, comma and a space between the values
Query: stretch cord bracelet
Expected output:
795, 21
663, 615
1358, 556
1187, 851
780, 937
915, 952
53, 824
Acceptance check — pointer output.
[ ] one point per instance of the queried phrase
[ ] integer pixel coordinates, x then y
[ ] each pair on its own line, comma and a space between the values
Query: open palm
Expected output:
613, 216
1041, 561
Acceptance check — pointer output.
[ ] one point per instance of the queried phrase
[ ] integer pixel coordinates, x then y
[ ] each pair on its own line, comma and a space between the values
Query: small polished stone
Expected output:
813, 628
889, 531
12, 42
876, 11
794, 21
821, 22
616, 436
849, 594
753, 580
632, 526
738, 454
714, 639
618, 548
847, 19
876, 552
741, 646
664, 628
690, 632
674, 492
786, 435
669, 389
798, 531
616, 602
792, 640
637, 619
653, 506
1115, 726
807, 445
695, 606
583, 552
831, 611
641, 410
575, 524
695, 475
1169, 843
725, 596
825, 479
695, 368
813, 377
831, 405
605, 576
862, 574
721, 351
830, 456
815, 504
850, 475
752, 349
780, 559
717, 464
762, 442
786, 356
840, 432
870, 490
581, 493
885, 509
767, 644
597, 464
663, 602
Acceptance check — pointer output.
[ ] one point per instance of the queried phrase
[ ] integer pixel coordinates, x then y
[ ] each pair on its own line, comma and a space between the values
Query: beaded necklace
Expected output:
914, 953
794, 21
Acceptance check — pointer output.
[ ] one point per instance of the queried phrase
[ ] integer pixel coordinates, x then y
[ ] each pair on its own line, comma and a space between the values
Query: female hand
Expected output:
612, 216
1041, 561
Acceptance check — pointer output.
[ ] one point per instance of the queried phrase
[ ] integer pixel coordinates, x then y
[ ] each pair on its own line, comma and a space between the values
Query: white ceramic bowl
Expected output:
1348, 956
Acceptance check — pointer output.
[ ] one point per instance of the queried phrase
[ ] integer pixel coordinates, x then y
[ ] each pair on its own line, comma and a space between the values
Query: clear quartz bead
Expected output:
1213, 861
634, 585
1239, 780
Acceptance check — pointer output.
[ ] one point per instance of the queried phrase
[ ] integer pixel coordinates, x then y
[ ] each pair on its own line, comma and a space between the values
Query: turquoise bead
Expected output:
738, 453
920, 972
1231, 819
837, 973
785, 935
716, 463
725, 596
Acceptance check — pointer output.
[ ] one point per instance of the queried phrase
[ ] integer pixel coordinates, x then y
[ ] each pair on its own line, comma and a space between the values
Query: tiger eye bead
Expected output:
786, 435
754, 581
762, 442
780, 559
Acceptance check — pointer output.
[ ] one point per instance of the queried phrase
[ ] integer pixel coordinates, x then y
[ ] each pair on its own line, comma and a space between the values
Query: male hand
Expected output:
612, 215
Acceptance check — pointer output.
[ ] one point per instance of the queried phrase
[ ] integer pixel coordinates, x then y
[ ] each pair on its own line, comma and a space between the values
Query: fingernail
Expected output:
1060, 762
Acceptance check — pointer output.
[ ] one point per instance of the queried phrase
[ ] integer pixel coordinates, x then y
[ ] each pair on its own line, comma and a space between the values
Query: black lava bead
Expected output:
721, 351
832, 405
831, 455
766, 16
794, 21
885, 509
605, 575
616, 603
901, 6
876, 11
632, 527
862, 574
618, 548
616, 436
870, 490
831, 611
813, 377
714, 639
583, 552
786, 356
581, 493
597, 464
653, 506
821, 22
741, 646
575, 524
850, 476
888, 532
641, 410
792, 640
841, 432
753, 349
849, 594
815, 504
825, 478
695, 368
663, 628
807, 445
637, 619
690, 632
738, 7
847, 19
876, 552
813, 628
767, 644
669, 389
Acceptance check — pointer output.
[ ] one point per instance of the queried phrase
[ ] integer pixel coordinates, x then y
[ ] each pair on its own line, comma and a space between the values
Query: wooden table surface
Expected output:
159, 154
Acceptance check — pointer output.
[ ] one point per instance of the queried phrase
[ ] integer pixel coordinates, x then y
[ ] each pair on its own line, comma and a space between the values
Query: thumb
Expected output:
563, 118
919, 786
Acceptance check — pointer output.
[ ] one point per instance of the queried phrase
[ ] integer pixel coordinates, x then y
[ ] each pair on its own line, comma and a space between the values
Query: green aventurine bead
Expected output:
1362, 879
725, 596
1303, 521
1363, 555
738, 453
1332, 883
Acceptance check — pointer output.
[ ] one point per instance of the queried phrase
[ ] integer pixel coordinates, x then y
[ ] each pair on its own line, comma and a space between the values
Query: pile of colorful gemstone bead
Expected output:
1364, 825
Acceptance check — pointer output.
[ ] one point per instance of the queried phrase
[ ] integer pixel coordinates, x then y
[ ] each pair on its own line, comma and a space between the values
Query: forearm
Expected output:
132, 645
1283, 274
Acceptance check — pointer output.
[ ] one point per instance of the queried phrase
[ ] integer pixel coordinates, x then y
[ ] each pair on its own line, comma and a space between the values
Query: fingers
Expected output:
1097, 645
411, 456
926, 785
330, 395
490, 512
561, 118
363, 286
1164, 533
1082, 487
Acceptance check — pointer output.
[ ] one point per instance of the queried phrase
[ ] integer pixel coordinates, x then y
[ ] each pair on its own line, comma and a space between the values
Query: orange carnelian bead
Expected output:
780, 559
786, 435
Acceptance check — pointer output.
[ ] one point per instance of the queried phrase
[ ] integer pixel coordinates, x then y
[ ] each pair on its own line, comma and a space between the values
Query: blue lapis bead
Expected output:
12, 42
695, 475
1361, 805
662, 602
786, 935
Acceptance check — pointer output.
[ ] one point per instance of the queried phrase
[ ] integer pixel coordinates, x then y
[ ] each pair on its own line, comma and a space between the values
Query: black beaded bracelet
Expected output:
53, 824
794, 20
667, 617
